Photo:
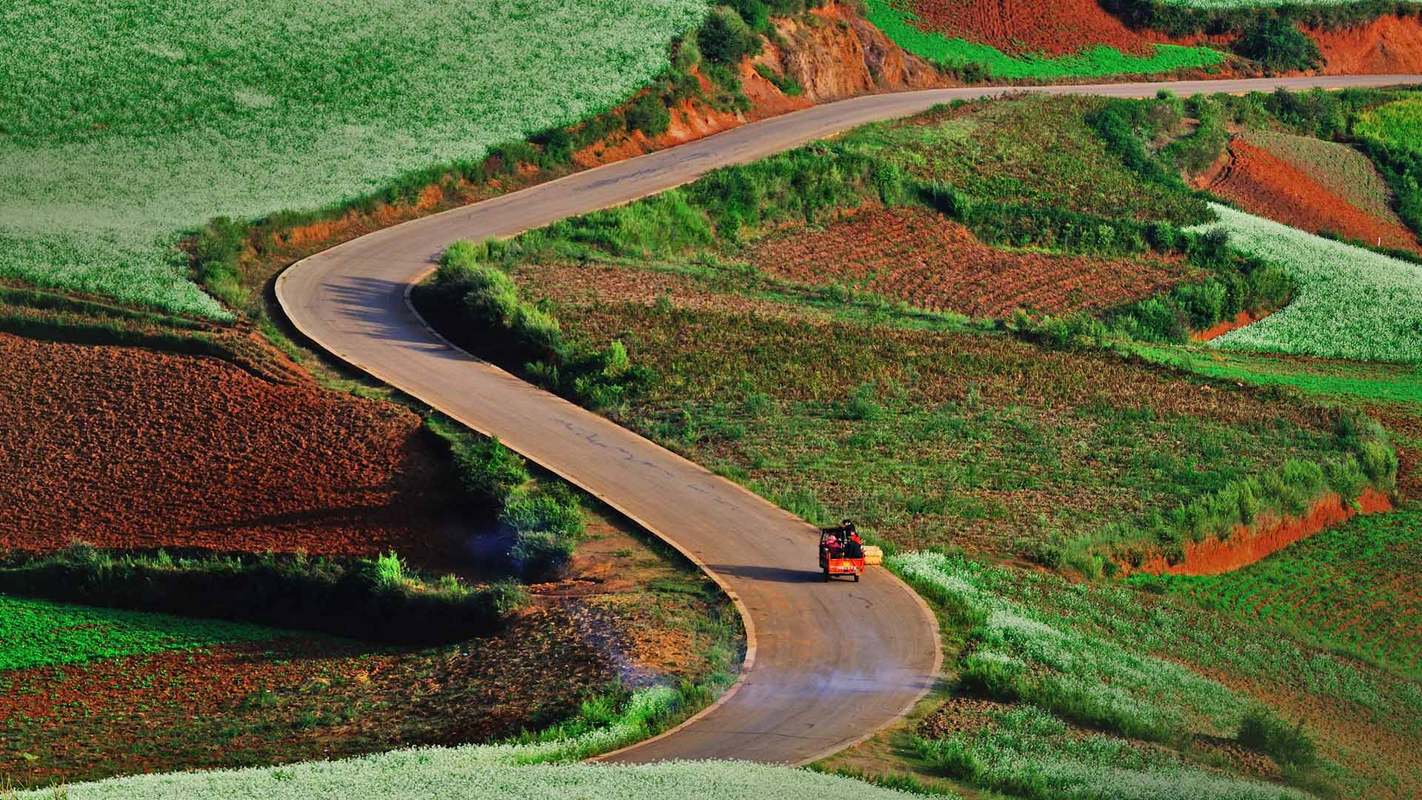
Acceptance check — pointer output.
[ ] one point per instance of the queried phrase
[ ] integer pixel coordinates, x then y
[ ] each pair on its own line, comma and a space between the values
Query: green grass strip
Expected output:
1095, 62
37, 633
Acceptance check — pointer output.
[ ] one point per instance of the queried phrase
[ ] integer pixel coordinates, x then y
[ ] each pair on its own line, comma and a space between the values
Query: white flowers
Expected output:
114, 139
1352, 303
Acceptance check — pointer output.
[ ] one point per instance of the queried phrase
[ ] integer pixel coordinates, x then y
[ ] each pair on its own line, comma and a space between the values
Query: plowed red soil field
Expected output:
123, 447
931, 262
1060, 27
1264, 184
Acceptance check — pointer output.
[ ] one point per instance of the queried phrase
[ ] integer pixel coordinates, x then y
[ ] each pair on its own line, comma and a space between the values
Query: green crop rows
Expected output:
1353, 303
36, 633
1398, 123
126, 122
1095, 62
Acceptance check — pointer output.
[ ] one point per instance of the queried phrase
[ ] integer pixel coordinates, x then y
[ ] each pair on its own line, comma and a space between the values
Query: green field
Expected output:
1353, 303
1351, 590
1398, 123
1094, 62
35, 633
1384, 383
127, 122
1123, 667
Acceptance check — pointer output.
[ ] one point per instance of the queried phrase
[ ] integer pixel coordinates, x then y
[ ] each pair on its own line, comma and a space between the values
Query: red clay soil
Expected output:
123, 447
931, 262
1241, 320
1266, 185
1386, 45
1019, 27
1246, 545
840, 55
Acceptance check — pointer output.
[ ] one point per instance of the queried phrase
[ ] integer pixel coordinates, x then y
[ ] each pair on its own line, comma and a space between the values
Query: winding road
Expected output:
826, 664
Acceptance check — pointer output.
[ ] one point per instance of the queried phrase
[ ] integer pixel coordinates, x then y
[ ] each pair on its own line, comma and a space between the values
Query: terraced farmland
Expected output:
1088, 59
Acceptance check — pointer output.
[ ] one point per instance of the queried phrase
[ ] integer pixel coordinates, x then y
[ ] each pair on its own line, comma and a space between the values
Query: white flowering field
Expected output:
127, 121
1352, 303
462, 774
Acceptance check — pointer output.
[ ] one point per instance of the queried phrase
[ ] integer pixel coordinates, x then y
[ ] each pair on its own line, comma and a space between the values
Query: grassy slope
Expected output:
127, 122
37, 633
1092, 62
1347, 590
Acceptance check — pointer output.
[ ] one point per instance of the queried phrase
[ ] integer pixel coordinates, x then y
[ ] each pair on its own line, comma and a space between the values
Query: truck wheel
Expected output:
827, 575
856, 577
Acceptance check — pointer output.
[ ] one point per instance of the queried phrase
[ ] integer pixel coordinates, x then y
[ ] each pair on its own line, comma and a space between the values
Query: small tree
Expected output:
725, 38
1278, 45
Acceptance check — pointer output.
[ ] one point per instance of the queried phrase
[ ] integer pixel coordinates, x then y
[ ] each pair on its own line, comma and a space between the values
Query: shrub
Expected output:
649, 115
1287, 744
994, 675
725, 38
374, 599
545, 527
1278, 45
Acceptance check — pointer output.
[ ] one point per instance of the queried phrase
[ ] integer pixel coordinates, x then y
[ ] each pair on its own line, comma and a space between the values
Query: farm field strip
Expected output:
1352, 304
484, 773
917, 256
1093, 62
1269, 186
1342, 169
254, 108
39, 633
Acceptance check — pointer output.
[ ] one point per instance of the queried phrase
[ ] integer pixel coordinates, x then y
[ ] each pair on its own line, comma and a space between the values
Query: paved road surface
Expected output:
828, 663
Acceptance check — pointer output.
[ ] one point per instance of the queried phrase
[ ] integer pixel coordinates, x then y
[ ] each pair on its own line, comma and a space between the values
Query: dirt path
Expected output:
827, 663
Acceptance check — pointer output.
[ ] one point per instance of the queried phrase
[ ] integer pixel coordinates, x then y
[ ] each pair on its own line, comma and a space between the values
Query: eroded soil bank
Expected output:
1248, 544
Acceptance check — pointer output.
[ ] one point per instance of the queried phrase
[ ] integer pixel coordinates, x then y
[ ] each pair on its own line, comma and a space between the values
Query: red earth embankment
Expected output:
1387, 45
129, 448
831, 54
1246, 545
1240, 320
1264, 184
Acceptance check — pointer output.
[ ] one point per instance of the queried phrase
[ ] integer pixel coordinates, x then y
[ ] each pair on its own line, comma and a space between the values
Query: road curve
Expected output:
827, 664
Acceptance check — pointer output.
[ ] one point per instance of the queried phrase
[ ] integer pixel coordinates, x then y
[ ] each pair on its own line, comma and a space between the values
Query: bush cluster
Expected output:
1182, 19
472, 299
372, 599
540, 523
1277, 44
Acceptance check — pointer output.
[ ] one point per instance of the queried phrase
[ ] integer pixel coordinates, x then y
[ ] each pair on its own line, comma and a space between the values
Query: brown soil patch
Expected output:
1390, 44
1246, 545
1264, 184
298, 699
1241, 320
1020, 27
931, 262
596, 283
122, 447
960, 715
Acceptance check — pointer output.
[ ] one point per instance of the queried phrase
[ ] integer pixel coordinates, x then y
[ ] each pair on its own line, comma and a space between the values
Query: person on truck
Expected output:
853, 545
